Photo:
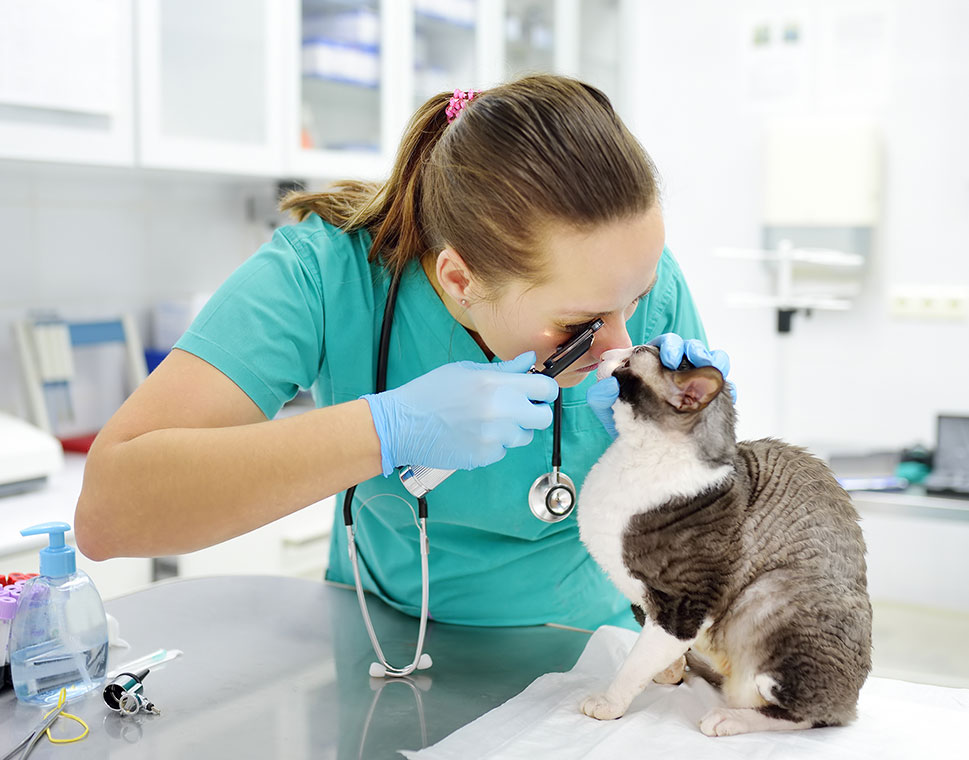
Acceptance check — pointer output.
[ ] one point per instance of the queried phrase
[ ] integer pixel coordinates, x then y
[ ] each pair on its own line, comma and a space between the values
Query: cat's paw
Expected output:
673, 674
724, 721
601, 707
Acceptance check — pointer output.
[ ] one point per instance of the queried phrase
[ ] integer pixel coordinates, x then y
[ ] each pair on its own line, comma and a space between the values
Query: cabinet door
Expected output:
210, 97
340, 105
448, 52
529, 37
65, 81
587, 39
601, 46
594, 42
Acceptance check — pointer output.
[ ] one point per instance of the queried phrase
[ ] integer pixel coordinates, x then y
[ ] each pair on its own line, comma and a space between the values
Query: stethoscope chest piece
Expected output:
552, 497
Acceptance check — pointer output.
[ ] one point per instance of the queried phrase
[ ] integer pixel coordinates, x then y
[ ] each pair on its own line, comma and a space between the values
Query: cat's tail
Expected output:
700, 667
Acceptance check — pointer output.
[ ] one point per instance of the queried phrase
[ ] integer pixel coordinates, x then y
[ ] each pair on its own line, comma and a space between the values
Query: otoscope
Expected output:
420, 480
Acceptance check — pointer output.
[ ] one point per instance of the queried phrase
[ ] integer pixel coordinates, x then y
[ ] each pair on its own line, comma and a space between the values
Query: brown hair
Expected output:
521, 156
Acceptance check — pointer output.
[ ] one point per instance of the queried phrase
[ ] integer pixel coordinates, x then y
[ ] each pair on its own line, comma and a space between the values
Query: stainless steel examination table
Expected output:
277, 667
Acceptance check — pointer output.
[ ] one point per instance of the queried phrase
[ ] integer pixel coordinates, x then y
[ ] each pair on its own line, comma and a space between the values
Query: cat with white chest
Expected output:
743, 560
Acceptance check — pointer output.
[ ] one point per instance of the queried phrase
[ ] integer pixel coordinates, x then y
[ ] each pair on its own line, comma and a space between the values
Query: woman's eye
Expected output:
576, 329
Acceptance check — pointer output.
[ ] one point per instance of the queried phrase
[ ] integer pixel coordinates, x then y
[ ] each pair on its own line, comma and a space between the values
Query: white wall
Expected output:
862, 377
90, 243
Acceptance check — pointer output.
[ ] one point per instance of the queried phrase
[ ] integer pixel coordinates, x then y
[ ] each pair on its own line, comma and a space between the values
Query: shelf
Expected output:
331, 79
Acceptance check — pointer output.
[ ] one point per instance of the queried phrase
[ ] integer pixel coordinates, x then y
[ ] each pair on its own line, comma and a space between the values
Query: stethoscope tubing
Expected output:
383, 351
386, 668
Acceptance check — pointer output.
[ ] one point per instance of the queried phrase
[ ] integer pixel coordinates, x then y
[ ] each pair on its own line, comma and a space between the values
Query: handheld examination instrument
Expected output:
125, 694
551, 498
421, 480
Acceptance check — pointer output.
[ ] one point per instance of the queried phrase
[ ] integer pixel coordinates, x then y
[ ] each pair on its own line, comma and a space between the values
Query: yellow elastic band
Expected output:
60, 703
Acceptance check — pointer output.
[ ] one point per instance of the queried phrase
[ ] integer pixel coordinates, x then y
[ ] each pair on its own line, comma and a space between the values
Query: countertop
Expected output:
55, 501
278, 667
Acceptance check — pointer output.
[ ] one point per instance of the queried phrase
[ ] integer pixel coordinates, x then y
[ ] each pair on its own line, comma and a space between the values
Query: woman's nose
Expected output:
611, 335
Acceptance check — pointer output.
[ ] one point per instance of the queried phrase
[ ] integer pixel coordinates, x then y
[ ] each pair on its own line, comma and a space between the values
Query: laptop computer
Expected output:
950, 467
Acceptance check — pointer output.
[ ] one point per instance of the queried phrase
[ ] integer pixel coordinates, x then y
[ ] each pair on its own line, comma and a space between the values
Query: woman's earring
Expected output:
464, 302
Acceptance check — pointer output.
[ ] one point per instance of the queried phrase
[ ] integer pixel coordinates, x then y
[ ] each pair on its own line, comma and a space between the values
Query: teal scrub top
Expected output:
305, 312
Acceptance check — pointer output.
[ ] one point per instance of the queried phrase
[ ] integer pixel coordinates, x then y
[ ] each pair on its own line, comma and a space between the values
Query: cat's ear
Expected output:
693, 389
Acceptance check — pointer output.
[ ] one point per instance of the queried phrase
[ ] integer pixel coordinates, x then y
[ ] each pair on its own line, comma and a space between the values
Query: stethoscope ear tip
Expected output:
377, 670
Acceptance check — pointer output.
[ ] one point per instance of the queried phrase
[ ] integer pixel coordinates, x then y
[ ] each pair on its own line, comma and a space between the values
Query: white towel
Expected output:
896, 719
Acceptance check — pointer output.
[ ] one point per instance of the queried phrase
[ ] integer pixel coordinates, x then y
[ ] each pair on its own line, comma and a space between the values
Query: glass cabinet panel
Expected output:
213, 97
529, 28
340, 108
600, 45
445, 47
208, 91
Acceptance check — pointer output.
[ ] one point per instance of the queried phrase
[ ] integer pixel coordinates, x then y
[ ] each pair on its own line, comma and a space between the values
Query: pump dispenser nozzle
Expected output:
58, 559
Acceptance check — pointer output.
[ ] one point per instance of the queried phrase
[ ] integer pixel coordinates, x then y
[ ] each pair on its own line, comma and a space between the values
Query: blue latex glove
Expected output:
601, 396
672, 349
462, 415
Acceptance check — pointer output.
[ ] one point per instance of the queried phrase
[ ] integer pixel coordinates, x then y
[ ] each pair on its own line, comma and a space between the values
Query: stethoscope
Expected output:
551, 498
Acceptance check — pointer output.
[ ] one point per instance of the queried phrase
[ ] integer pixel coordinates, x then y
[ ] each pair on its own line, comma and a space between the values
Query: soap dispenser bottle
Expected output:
59, 636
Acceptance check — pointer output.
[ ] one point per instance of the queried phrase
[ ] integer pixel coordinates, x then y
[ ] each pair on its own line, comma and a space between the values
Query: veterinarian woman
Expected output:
514, 217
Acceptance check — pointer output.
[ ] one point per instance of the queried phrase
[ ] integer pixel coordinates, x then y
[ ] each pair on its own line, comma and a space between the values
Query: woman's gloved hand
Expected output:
462, 415
672, 350
600, 398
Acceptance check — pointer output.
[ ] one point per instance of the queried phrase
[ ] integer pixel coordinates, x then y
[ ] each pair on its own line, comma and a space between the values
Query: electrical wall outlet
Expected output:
930, 302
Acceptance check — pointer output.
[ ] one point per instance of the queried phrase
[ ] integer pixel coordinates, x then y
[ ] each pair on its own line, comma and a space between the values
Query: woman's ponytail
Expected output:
523, 156
391, 211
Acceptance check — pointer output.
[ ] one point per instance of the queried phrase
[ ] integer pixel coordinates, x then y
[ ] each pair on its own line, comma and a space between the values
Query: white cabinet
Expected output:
276, 88
361, 79
602, 25
446, 47
344, 101
297, 545
530, 37
210, 85
587, 39
65, 81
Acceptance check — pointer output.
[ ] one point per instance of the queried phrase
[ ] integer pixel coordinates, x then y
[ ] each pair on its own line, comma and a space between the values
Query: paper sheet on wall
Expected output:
60, 54
855, 46
820, 56
778, 50
896, 719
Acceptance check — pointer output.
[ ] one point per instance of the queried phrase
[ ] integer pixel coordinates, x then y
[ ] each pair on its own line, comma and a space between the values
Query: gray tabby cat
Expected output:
743, 560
